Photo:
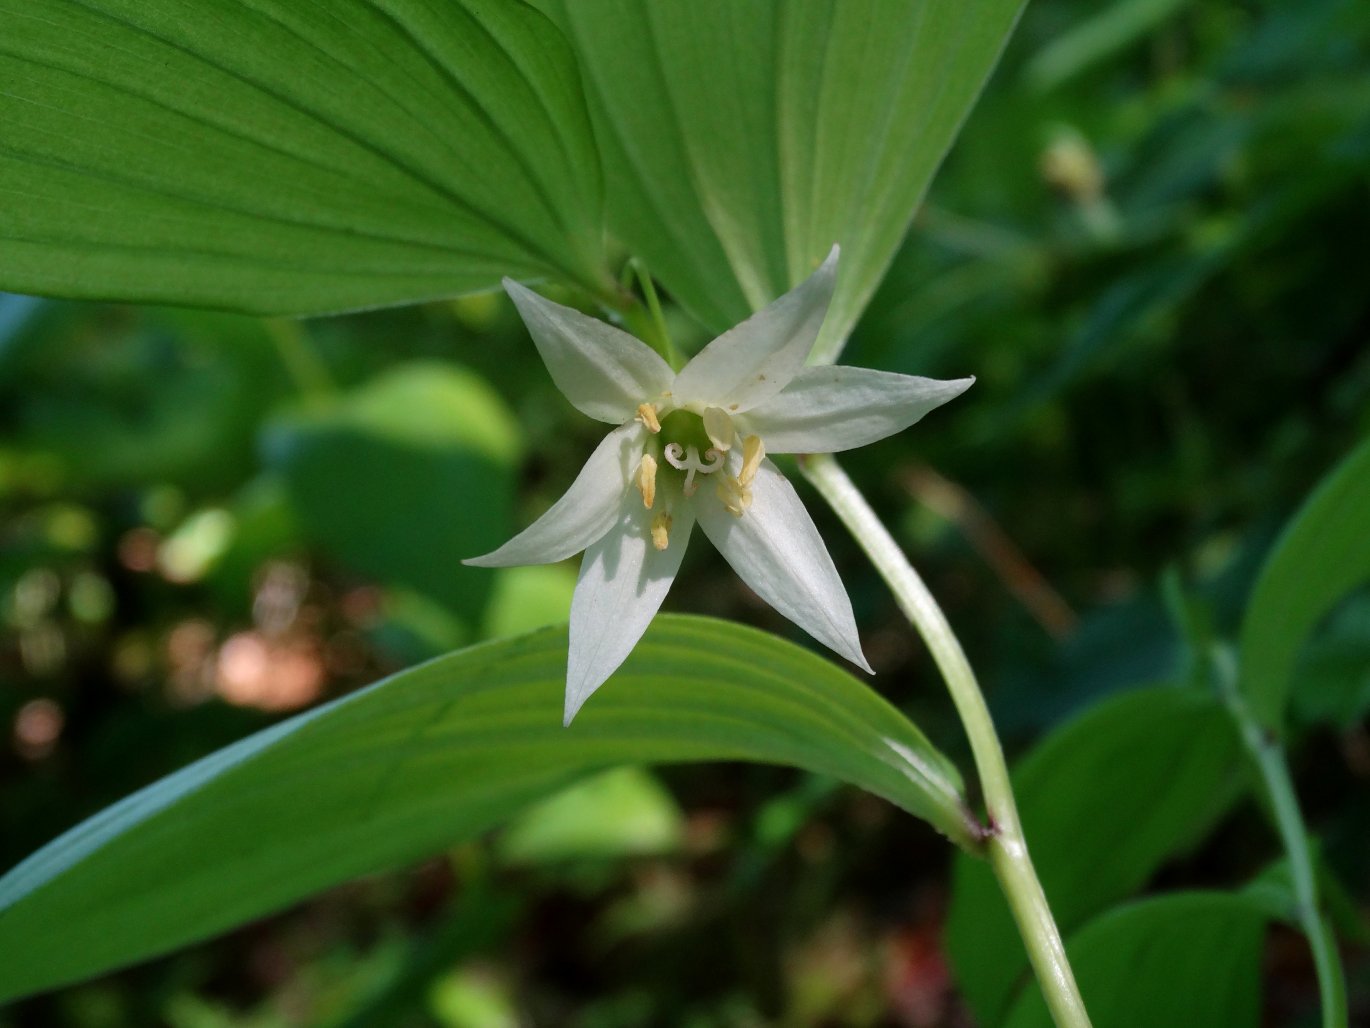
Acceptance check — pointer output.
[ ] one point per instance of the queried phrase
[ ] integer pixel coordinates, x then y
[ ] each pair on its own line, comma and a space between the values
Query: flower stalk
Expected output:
1004, 844
644, 318
302, 362
1268, 755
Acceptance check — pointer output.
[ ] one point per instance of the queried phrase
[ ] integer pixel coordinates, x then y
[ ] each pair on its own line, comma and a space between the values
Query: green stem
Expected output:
1004, 843
305, 367
645, 321
654, 305
1272, 762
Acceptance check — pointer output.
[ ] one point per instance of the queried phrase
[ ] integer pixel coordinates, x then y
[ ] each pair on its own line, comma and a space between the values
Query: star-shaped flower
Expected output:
691, 447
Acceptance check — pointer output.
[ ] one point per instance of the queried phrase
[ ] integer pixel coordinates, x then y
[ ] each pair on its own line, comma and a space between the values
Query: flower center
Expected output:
686, 429
694, 444
686, 446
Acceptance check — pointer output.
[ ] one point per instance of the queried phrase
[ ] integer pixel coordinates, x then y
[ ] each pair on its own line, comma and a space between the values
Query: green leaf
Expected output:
153, 395
625, 812
428, 757
1105, 801
1095, 39
742, 140
1186, 959
405, 477
1274, 891
1323, 554
1331, 679
279, 157
529, 597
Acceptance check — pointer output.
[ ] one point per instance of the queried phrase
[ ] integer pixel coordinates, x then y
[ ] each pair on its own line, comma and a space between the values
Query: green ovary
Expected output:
685, 428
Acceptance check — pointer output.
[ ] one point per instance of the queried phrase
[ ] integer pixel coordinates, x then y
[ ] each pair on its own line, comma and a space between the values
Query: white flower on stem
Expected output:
691, 447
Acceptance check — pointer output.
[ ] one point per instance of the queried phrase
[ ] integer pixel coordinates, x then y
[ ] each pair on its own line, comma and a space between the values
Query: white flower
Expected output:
691, 447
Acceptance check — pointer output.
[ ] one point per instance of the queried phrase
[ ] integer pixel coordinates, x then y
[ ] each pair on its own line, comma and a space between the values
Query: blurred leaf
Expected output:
1105, 801
413, 628
741, 141
479, 919
1185, 959
279, 157
1129, 312
197, 545
529, 597
469, 999
405, 477
1114, 647
263, 527
1323, 554
428, 757
14, 312
1273, 891
1114, 27
621, 813
1280, 43
114, 398
1332, 677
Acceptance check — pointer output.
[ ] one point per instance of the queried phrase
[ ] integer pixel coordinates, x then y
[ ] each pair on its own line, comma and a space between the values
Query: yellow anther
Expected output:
718, 427
661, 528
753, 453
645, 480
646, 414
735, 496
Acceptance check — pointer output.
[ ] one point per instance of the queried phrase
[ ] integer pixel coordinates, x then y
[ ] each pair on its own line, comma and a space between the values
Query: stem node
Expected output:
1004, 842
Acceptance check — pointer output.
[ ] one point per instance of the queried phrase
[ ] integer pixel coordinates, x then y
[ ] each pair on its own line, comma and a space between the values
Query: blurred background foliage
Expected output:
1149, 246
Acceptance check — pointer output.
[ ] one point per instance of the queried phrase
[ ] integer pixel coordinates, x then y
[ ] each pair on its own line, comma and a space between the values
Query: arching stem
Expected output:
1005, 846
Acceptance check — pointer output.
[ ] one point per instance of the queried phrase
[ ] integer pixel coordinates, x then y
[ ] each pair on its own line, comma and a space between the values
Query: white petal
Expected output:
776, 549
603, 371
585, 511
828, 409
750, 363
623, 580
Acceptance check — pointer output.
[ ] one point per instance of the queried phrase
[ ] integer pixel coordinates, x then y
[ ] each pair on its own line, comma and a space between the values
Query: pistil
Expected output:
686, 459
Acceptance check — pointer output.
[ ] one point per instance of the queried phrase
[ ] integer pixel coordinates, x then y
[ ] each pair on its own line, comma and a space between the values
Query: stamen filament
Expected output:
735, 497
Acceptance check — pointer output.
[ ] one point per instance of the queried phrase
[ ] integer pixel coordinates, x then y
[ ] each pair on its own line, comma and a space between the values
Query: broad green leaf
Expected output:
742, 140
1185, 959
286, 157
1105, 801
1323, 554
428, 757
406, 476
